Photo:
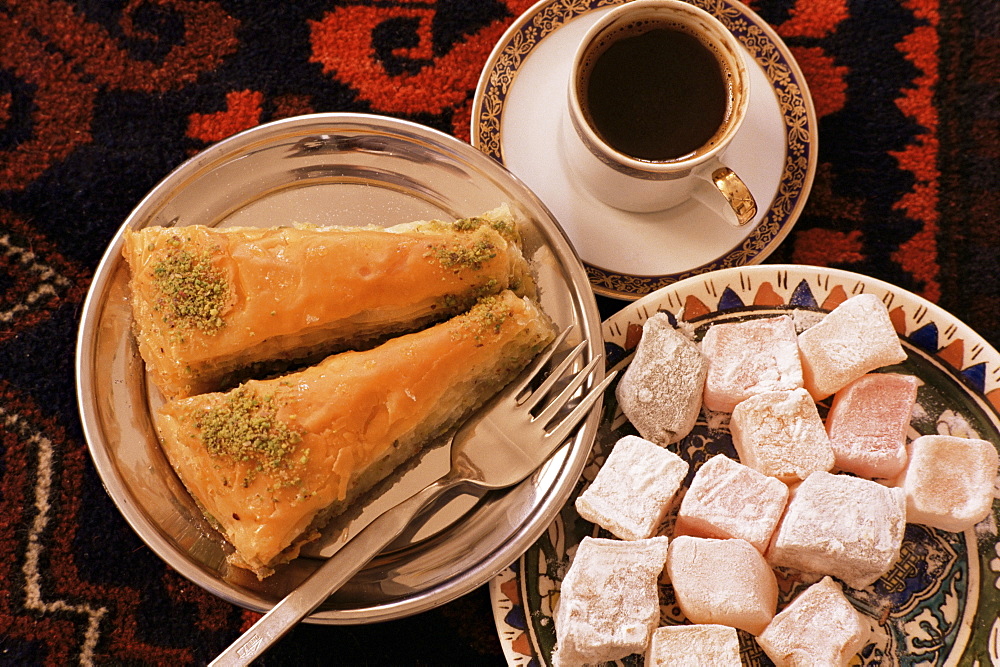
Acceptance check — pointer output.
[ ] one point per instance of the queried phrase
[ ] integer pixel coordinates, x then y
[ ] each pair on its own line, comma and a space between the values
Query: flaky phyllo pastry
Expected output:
211, 306
270, 462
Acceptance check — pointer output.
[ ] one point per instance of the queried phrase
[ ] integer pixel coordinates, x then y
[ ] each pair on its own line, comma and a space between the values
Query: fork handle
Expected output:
330, 576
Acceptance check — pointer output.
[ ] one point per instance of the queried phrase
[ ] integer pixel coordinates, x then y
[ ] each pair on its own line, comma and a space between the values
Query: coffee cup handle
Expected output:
737, 205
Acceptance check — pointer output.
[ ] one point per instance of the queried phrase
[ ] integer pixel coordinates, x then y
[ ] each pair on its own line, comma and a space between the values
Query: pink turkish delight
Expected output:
868, 421
707, 645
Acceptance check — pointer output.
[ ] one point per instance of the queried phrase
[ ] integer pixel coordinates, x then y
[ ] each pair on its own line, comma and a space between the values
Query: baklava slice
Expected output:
212, 307
272, 461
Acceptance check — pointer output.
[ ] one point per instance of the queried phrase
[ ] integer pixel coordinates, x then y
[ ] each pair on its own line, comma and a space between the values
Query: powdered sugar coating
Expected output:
661, 390
819, 627
726, 582
854, 338
708, 645
727, 499
949, 481
868, 422
633, 489
608, 603
844, 526
748, 358
781, 434
947, 401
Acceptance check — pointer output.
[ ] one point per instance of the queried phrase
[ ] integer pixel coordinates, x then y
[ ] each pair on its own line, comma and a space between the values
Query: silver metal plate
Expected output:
325, 169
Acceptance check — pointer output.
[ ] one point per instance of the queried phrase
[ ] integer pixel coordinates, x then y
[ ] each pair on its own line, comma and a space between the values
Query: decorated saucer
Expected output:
516, 117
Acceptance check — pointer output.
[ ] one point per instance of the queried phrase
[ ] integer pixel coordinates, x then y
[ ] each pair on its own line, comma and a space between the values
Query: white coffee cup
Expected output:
640, 133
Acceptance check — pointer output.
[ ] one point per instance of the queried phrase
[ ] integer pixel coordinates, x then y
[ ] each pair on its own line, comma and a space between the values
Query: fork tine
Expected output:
530, 402
529, 373
573, 419
560, 401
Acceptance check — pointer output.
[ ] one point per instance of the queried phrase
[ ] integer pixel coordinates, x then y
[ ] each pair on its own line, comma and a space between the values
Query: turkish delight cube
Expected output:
841, 525
949, 481
781, 434
609, 600
854, 338
819, 627
727, 499
633, 489
868, 421
707, 645
726, 582
750, 357
660, 391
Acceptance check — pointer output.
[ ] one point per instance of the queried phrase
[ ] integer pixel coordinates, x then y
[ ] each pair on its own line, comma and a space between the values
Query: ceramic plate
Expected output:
516, 117
327, 169
939, 605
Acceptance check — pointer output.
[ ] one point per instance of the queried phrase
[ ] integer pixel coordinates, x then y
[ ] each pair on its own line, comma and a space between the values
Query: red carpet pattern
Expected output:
100, 100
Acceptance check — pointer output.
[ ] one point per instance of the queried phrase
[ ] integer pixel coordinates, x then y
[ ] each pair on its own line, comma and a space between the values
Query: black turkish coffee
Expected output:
655, 92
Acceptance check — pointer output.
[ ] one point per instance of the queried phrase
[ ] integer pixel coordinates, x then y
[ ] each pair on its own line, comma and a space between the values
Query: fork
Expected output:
503, 443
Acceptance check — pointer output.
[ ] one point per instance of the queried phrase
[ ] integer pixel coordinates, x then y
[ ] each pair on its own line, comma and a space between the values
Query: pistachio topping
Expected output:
485, 318
194, 292
487, 288
245, 428
471, 256
464, 301
505, 227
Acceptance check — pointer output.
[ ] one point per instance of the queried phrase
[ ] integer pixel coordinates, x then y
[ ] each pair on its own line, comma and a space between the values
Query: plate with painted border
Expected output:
516, 115
939, 605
